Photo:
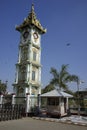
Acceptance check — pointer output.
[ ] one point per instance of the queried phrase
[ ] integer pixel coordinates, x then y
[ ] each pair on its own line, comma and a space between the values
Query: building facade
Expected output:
28, 67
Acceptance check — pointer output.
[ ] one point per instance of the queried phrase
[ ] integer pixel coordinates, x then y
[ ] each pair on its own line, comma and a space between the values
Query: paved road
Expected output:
32, 124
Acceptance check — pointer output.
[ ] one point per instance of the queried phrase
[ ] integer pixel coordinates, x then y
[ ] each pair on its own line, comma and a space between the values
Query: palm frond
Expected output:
75, 78
54, 72
54, 81
62, 77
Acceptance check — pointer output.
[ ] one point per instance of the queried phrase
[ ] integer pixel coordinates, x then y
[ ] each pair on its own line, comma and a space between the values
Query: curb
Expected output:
60, 121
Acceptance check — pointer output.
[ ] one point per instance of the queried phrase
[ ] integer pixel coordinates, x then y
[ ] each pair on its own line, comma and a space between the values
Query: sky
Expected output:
65, 21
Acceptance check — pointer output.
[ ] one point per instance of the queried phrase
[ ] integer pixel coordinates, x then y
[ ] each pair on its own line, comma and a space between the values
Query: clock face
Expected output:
36, 38
25, 35
35, 35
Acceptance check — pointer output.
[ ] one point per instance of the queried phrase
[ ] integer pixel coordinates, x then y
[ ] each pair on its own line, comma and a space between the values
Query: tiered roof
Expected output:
31, 20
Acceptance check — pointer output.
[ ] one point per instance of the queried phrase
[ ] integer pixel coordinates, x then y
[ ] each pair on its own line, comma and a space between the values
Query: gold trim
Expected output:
31, 20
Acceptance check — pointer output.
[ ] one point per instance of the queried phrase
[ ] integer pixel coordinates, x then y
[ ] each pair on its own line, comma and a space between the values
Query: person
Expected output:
36, 110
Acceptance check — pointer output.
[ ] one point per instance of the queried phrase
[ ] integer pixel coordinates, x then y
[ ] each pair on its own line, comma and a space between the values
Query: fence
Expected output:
13, 107
82, 111
10, 112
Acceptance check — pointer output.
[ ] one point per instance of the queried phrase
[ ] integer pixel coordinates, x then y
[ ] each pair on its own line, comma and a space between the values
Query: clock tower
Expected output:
28, 67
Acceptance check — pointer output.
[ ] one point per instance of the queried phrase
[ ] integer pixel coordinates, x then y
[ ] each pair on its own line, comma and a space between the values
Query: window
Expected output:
22, 73
53, 101
34, 55
33, 75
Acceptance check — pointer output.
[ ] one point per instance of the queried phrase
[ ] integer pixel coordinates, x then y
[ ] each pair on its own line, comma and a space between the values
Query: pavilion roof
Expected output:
56, 93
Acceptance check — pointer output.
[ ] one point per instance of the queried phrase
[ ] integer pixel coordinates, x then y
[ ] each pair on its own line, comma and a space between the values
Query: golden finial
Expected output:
32, 8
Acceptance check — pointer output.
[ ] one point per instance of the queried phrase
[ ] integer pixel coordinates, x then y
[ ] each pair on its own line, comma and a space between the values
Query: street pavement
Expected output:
74, 119
34, 124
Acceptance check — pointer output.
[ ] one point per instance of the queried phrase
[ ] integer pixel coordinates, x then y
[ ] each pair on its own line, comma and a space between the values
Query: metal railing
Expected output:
83, 111
10, 112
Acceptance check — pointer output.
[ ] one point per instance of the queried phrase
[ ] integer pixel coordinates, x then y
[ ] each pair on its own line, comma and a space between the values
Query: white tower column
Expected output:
13, 99
1, 99
28, 68
27, 103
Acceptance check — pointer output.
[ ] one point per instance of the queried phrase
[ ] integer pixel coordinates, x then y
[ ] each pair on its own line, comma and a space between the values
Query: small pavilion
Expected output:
56, 102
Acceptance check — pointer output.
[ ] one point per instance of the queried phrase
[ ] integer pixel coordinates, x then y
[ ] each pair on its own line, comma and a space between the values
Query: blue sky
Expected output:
66, 22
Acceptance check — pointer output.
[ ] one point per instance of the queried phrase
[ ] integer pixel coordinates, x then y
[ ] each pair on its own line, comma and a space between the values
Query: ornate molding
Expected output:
31, 20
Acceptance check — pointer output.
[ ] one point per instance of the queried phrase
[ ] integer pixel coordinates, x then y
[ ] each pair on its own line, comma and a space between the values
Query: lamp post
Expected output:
78, 98
78, 95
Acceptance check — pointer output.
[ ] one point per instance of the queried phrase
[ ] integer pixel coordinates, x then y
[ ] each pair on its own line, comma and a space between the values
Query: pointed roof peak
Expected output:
32, 10
32, 14
31, 20
32, 7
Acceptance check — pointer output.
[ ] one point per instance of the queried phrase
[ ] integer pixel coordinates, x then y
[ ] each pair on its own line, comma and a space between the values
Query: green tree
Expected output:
47, 88
3, 87
62, 78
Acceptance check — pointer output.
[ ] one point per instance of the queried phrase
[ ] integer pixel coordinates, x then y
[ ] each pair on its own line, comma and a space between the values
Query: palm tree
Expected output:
63, 77
48, 88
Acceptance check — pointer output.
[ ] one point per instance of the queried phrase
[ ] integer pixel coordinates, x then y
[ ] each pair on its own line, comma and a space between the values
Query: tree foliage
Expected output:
63, 77
3, 87
47, 88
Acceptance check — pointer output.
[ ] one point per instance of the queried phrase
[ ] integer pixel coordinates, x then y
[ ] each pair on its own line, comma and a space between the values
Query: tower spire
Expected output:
31, 20
32, 7
32, 15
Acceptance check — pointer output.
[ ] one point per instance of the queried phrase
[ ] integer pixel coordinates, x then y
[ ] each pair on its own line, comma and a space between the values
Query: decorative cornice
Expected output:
31, 20
36, 64
36, 46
